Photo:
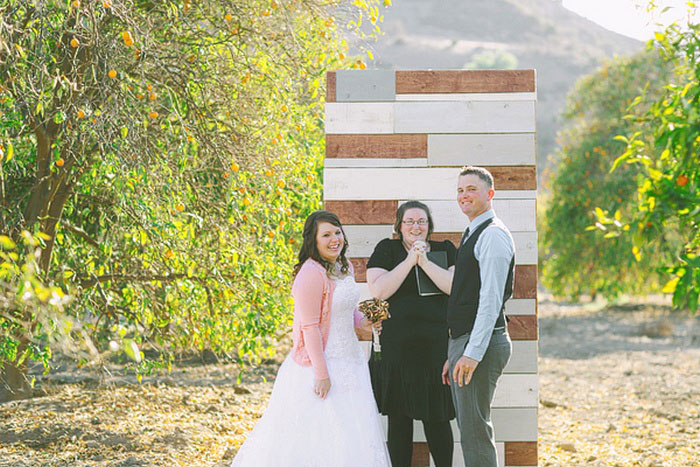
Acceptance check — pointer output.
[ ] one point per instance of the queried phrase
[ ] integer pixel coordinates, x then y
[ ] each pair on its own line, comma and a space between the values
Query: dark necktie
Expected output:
464, 237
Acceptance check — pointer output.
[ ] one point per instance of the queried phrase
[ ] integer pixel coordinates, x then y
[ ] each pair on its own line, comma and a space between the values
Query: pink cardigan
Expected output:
313, 295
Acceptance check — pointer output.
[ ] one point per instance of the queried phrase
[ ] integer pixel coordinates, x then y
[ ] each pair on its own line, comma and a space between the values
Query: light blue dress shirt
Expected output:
493, 250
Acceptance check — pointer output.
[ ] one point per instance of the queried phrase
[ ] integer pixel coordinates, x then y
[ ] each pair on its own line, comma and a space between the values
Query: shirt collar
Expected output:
480, 219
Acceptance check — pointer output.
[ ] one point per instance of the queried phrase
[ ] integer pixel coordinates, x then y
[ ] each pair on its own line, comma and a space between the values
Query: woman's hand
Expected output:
321, 387
420, 248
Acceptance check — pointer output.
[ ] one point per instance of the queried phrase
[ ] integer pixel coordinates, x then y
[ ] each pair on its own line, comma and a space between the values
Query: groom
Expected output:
479, 346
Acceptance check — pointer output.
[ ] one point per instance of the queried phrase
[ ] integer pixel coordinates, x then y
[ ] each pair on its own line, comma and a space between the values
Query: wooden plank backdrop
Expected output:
392, 136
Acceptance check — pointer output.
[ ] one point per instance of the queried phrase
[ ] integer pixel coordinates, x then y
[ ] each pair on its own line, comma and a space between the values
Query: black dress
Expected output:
407, 379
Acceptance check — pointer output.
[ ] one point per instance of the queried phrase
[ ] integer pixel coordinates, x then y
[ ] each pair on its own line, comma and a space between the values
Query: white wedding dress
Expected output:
299, 429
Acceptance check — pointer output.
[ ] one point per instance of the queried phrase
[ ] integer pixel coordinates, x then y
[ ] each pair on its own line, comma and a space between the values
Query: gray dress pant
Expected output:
473, 401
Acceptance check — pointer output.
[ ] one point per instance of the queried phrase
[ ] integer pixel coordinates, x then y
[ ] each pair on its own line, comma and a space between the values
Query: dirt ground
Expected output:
619, 386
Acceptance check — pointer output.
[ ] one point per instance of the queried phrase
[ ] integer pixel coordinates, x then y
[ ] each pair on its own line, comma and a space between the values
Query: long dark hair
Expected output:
411, 205
309, 248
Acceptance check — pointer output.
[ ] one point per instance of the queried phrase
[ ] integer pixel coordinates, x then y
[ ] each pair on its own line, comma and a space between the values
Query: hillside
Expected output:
541, 34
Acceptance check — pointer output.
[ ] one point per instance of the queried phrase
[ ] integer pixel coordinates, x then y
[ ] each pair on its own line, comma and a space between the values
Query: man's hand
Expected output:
446, 373
464, 370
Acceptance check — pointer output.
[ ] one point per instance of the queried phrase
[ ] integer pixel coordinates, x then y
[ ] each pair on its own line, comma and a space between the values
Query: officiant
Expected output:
414, 274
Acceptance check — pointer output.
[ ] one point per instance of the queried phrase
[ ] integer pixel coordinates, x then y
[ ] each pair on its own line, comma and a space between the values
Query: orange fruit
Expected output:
341, 56
169, 254
149, 87
273, 5
107, 3
246, 202
127, 38
60, 162
74, 43
152, 96
180, 207
235, 167
153, 115
112, 74
280, 183
228, 17
291, 240
271, 234
682, 180
268, 173
81, 114
190, 139
139, 96
266, 13
76, 3
227, 175
284, 108
241, 190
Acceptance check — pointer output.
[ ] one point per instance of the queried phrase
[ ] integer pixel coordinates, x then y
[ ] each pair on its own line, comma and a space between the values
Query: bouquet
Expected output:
375, 310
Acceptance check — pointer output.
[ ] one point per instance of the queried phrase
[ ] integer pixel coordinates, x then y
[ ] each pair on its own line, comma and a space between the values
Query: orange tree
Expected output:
669, 171
161, 156
574, 260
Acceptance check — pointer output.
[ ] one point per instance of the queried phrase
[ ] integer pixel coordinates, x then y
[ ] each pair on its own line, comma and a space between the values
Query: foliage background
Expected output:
168, 152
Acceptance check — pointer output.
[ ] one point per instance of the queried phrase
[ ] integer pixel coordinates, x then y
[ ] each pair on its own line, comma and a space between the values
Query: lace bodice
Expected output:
342, 340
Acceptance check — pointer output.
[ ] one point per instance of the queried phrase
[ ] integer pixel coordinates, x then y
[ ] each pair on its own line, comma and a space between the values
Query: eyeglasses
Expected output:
412, 222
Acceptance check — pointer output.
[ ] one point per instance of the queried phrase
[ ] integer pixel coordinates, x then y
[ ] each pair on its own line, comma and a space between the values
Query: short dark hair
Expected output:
309, 249
480, 172
411, 205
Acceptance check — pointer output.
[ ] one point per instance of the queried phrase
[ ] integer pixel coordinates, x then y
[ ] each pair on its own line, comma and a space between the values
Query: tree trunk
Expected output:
14, 384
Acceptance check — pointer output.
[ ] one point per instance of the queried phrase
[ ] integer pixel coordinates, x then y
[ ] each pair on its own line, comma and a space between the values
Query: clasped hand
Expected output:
417, 253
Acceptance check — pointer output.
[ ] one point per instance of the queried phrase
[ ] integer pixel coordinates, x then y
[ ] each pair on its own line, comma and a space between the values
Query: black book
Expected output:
426, 286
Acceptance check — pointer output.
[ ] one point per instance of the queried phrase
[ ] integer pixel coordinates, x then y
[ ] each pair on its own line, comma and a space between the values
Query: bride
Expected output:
322, 411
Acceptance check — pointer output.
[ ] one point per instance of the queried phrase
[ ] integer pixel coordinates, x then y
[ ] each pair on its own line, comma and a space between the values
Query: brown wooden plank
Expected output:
522, 177
330, 86
377, 146
421, 455
454, 237
364, 212
522, 328
525, 284
521, 453
464, 81
360, 265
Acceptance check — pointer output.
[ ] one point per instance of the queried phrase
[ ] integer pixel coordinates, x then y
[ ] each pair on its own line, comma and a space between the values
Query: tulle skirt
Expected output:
299, 429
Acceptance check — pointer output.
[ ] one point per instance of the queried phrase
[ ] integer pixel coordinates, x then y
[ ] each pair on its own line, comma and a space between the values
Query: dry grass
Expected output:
612, 395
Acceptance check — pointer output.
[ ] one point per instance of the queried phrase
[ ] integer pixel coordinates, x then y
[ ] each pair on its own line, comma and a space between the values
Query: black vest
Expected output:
464, 298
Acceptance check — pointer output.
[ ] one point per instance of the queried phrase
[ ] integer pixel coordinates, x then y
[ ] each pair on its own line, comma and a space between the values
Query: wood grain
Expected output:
525, 285
364, 212
406, 146
522, 327
457, 81
521, 453
330, 86
421, 455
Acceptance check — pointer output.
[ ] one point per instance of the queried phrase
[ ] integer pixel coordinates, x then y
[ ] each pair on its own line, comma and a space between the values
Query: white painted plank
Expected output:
501, 453
518, 215
375, 162
523, 359
363, 239
515, 424
474, 96
464, 117
516, 390
378, 183
509, 424
521, 306
525, 247
478, 149
367, 118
